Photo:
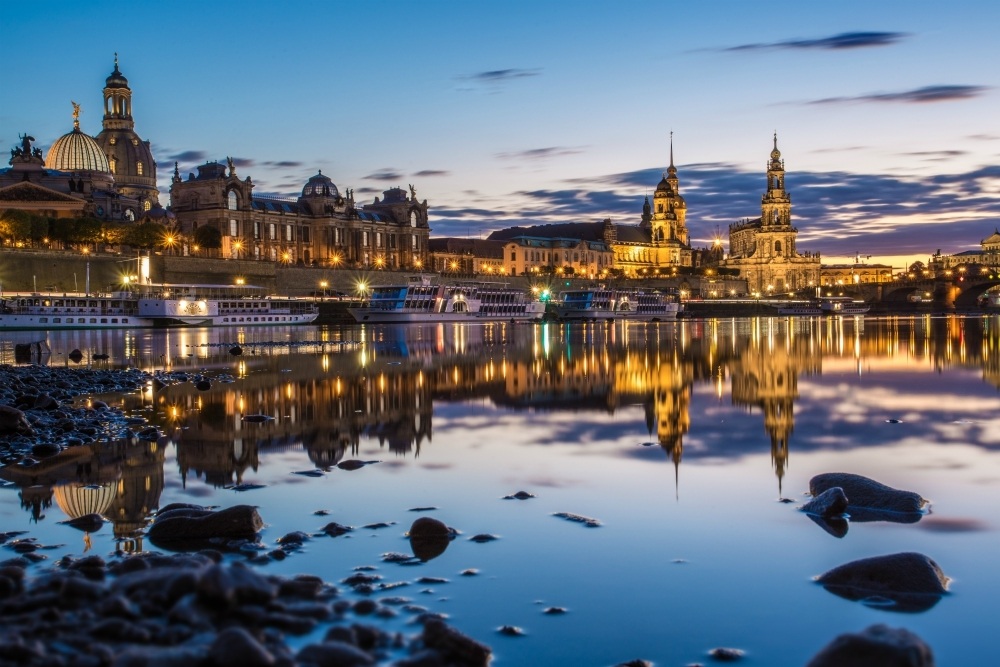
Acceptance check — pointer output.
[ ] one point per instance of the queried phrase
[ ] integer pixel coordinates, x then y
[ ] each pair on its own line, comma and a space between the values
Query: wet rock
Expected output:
43, 450
456, 647
13, 420
334, 654
725, 654
578, 518
835, 525
482, 538
89, 523
45, 402
295, 538
75, 355
510, 631
334, 529
237, 522
520, 495
875, 646
235, 647
236, 350
429, 538
351, 464
635, 663
908, 582
831, 503
203, 385
864, 492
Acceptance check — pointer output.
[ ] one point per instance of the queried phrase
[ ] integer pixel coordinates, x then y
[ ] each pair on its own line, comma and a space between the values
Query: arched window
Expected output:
146, 205
777, 247
233, 201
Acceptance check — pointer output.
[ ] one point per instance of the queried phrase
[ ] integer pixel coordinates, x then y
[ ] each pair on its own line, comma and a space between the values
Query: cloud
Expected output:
385, 175
502, 75
539, 153
283, 164
432, 172
942, 93
188, 156
845, 40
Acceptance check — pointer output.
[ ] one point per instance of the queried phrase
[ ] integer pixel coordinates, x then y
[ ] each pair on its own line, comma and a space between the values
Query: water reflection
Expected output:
331, 389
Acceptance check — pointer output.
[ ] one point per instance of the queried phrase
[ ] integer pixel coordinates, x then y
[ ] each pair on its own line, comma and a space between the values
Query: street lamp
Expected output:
323, 285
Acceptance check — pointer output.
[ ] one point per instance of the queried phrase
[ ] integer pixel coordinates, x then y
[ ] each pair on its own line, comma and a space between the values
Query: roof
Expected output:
586, 231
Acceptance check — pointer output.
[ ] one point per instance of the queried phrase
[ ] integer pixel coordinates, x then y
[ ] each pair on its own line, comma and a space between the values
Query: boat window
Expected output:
43, 320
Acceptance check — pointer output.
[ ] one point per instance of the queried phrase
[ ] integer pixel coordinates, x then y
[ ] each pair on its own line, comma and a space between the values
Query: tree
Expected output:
208, 237
144, 235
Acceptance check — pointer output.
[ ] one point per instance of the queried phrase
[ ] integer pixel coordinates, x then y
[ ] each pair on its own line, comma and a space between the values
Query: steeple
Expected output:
776, 205
672, 170
117, 101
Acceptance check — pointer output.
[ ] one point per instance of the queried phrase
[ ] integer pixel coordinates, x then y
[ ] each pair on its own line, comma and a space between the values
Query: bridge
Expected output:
946, 293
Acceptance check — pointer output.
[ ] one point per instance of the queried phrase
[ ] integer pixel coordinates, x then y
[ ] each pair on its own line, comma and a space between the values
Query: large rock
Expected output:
832, 502
897, 582
240, 522
13, 420
875, 646
429, 538
864, 492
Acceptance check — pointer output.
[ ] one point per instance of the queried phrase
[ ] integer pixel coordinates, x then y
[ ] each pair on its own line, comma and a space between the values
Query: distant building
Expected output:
322, 227
763, 249
466, 256
988, 255
834, 275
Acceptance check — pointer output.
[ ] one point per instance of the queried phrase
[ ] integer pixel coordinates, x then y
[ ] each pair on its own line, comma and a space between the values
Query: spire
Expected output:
672, 170
116, 61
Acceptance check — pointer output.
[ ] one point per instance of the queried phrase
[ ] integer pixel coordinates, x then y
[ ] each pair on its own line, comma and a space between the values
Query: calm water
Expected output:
680, 438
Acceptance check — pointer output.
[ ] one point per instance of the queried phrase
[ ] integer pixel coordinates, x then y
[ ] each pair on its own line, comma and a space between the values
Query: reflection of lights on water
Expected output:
288, 391
325, 362
338, 387
241, 369
381, 382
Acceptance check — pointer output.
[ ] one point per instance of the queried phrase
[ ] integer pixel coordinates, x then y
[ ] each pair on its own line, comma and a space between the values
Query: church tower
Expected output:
776, 205
130, 157
669, 208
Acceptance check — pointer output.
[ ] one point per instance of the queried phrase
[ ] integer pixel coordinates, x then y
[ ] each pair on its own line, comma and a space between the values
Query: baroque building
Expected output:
763, 249
110, 177
322, 227
130, 159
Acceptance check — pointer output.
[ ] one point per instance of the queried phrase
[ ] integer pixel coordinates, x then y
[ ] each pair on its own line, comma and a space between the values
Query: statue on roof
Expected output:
413, 193
232, 167
25, 144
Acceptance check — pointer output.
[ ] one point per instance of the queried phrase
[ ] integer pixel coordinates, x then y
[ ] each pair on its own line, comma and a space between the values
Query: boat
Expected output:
422, 300
151, 306
842, 305
610, 303
799, 309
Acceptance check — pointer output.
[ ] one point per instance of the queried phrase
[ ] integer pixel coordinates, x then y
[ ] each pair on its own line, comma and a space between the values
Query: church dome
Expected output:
320, 186
76, 151
116, 79
664, 185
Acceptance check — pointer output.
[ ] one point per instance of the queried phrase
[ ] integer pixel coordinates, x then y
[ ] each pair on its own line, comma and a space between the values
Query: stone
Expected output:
232, 523
334, 654
906, 581
13, 420
832, 502
875, 646
864, 492
456, 647
429, 538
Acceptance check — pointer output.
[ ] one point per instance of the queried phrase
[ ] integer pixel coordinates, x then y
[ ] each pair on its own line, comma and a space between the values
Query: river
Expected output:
679, 439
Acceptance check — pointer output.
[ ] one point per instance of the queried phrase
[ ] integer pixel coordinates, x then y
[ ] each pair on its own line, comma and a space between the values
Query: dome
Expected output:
77, 151
116, 79
663, 186
320, 186
77, 500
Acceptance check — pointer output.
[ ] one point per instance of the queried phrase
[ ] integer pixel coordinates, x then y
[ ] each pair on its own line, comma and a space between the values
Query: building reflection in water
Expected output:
379, 384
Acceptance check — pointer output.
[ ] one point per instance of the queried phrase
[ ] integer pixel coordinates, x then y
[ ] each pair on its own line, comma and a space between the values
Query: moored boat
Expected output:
842, 305
806, 309
604, 303
422, 300
153, 305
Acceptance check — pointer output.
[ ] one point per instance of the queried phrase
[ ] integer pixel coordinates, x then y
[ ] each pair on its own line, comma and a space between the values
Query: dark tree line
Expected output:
29, 229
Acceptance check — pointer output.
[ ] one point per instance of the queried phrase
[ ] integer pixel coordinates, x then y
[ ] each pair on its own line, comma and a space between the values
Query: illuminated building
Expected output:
83, 176
322, 227
763, 250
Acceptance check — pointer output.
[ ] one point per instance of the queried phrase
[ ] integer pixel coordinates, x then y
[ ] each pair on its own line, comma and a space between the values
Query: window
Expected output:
234, 227
777, 247
113, 162
138, 168
289, 233
413, 244
365, 243
378, 239
256, 229
272, 231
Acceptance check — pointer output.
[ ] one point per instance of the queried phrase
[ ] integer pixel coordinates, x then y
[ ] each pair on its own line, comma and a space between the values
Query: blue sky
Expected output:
534, 112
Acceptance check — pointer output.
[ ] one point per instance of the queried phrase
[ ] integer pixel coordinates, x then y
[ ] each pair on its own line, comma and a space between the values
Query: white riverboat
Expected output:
799, 309
842, 305
152, 305
607, 303
421, 300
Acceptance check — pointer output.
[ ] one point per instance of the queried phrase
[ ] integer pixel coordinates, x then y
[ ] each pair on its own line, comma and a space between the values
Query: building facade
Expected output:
763, 250
987, 256
322, 227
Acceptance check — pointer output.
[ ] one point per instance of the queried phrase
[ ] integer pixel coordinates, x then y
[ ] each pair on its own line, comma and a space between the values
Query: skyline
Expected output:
538, 114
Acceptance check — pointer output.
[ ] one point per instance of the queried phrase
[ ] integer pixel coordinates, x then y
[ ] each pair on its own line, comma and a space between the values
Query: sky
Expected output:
535, 112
